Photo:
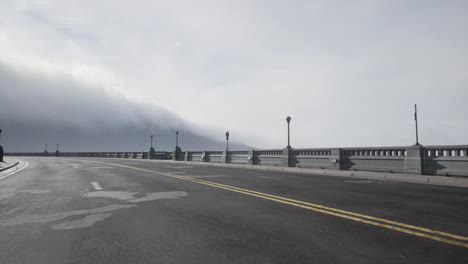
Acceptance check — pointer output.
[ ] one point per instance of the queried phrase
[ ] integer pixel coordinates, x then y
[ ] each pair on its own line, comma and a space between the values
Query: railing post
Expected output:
225, 157
251, 158
335, 158
175, 153
287, 157
414, 160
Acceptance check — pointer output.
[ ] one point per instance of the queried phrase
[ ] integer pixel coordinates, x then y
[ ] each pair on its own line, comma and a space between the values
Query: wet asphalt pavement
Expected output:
60, 210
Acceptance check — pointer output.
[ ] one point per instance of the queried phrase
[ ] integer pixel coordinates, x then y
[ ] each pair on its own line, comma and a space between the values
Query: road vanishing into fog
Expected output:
61, 210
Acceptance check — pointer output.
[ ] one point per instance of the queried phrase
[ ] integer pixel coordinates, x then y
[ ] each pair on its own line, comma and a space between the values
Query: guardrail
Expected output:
432, 160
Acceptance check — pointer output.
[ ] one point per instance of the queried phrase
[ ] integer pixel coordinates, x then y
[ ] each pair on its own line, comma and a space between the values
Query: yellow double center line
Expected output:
375, 221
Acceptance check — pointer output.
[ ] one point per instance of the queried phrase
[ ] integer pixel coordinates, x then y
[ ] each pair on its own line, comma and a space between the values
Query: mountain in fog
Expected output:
38, 109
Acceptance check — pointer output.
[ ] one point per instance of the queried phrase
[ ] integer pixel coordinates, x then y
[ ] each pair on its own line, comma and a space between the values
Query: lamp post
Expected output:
1, 148
177, 150
227, 140
416, 123
152, 152
288, 119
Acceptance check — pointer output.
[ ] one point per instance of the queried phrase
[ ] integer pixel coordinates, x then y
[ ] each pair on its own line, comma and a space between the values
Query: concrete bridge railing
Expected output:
431, 160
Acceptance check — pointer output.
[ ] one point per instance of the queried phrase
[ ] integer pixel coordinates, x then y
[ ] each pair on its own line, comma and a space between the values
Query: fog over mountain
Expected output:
38, 108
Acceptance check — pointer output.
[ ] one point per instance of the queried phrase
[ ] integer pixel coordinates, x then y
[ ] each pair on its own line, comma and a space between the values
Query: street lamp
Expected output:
1, 148
416, 123
227, 140
57, 151
288, 119
152, 153
177, 139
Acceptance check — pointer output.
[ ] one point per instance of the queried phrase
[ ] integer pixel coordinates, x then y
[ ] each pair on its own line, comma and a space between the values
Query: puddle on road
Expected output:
7, 192
43, 218
123, 196
92, 215
35, 191
130, 196
85, 222
159, 196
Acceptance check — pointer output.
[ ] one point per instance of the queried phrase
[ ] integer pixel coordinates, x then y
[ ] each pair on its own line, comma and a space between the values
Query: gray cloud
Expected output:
348, 72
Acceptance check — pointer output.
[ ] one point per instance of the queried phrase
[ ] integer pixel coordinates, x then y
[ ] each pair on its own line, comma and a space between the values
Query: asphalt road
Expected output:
60, 210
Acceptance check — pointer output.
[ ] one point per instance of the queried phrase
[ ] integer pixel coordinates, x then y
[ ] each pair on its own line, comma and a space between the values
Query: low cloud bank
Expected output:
38, 109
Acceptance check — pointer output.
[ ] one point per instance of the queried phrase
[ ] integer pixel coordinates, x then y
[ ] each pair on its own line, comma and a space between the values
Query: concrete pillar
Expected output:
204, 156
152, 153
176, 153
335, 158
225, 157
252, 158
414, 160
287, 157
187, 153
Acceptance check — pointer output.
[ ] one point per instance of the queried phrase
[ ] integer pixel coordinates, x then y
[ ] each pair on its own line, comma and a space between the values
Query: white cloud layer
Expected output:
347, 72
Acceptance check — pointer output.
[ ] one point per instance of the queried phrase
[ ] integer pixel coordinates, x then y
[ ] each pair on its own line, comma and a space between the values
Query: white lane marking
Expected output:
17, 170
102, 167
96, 186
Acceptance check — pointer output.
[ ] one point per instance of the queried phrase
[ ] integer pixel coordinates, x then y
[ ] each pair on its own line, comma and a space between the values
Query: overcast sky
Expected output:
347, 72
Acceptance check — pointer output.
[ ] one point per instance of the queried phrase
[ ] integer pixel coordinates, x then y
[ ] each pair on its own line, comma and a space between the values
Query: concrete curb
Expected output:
9, 167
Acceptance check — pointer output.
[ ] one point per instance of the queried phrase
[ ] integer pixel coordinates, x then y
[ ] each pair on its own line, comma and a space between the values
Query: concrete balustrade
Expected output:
431, 160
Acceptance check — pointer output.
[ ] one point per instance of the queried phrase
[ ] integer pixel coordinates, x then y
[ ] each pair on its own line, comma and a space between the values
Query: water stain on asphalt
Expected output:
92, 215
123, 196
130, 196
7, 192
159, 196
85, 222
35, 191
44, 218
